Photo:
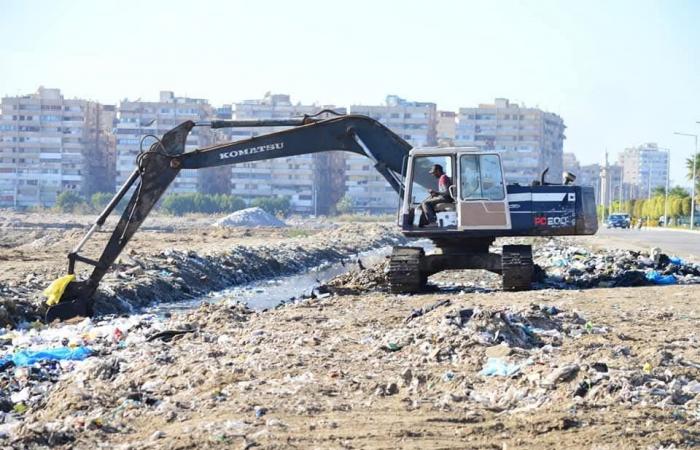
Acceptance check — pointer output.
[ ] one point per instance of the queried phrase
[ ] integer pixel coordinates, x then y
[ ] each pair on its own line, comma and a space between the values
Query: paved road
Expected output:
685, 244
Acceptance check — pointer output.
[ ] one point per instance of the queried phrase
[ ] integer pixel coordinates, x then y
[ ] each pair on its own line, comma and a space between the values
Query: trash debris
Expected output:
656, 278
56, 289
421, 311
499, 367
27, 357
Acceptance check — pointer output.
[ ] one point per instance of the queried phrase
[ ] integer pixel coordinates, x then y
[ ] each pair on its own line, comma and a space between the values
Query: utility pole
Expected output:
693, 181
668, 172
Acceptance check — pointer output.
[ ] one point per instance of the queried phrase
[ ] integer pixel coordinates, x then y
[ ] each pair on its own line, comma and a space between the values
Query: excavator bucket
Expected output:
75, 301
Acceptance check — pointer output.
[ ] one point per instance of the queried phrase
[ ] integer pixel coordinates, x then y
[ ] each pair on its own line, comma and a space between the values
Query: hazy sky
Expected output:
620, 73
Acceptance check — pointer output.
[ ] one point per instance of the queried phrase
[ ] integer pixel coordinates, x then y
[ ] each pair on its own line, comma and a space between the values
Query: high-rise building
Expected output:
645, 167
446, 128
589, 175
416, 123
313, 182
137, 118
528, 139
50, 144
570, 163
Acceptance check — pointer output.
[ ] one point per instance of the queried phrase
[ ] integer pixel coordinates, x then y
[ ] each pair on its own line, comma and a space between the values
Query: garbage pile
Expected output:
250, 217
518, 359
35, 356
568, 265
560, 264
224, 375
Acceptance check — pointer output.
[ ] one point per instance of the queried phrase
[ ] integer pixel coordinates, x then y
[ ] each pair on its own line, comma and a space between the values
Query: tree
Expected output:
678, 191
344, 205
685, 206
675, 207
100, 199
273, 205
689, 166
68, 201
658, 190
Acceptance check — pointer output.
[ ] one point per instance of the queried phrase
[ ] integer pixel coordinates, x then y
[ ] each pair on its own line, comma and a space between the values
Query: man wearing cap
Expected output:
441, 196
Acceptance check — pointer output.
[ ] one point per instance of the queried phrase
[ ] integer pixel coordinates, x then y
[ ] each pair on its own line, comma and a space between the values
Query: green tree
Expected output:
178, 204
69, 201
678, 191
685, 206
273, 205
100, 199
344, 205
689, 166
675, 207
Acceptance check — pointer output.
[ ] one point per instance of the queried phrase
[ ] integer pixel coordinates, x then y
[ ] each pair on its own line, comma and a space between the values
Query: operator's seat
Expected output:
445, 207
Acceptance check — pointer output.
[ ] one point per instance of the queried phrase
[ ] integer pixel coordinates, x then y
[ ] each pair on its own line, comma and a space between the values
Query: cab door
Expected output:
482, 203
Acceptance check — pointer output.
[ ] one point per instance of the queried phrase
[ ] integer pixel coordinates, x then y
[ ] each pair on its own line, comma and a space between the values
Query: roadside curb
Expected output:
677, 230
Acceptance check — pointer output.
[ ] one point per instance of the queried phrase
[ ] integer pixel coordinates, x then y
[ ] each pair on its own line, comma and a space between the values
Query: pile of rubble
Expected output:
250, 217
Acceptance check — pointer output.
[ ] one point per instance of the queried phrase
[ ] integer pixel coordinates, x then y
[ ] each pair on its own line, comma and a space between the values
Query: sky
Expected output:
620, 73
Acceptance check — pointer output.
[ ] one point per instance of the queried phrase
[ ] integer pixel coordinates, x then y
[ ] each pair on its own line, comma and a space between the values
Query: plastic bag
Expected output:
29, 357
656, 278
499, 367
57, 288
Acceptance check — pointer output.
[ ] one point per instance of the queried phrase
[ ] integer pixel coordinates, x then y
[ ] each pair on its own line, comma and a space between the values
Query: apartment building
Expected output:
589, 175
528, 139
50, 144
416, 122
570, 163
137, 118
446, 128
313, 182
645, 167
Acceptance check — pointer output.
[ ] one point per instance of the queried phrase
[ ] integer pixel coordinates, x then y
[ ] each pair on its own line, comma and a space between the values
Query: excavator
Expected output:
484, 206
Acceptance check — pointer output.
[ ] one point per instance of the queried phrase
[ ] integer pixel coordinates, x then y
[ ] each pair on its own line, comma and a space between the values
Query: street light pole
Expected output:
668, 171
693, 181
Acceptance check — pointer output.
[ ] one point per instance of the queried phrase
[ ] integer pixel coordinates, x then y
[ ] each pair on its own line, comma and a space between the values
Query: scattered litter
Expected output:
28, 357
499, 367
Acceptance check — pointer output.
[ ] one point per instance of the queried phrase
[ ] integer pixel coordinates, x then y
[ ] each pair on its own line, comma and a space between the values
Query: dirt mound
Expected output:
250, 217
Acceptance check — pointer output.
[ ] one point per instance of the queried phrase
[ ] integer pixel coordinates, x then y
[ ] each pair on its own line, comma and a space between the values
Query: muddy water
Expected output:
266, 294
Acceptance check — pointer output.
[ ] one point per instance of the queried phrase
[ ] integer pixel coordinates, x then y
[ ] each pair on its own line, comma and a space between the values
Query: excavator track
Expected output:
517, 267
405, 275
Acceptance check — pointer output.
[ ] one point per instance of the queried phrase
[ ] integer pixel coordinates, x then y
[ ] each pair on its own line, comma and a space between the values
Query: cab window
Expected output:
424, 181
481, 178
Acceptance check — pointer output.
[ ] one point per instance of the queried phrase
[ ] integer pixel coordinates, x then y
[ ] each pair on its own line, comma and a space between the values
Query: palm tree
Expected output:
689, 166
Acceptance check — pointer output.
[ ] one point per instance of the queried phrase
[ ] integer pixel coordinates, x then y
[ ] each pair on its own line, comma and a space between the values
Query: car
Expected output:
618, 221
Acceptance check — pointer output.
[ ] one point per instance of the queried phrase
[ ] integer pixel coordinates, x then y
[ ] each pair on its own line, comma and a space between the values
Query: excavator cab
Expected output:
478, 190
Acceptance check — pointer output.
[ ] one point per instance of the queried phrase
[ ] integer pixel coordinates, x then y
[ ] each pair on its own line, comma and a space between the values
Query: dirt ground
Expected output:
38, 245
320, 374
596, 369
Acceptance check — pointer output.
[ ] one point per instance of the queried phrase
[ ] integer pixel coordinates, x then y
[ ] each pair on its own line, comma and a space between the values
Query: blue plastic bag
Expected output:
498, 367
656, 278
29, 357
676, 260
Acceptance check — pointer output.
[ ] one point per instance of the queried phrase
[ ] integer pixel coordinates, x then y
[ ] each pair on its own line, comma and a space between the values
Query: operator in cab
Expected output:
442, 195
